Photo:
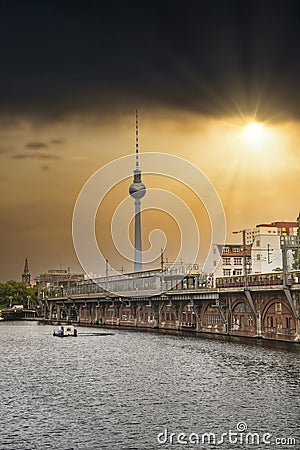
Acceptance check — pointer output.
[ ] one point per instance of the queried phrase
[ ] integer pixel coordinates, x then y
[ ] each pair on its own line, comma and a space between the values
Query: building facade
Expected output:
266, 252
231, 259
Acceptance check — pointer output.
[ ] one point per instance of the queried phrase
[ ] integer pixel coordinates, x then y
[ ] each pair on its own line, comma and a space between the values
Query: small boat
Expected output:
65, 330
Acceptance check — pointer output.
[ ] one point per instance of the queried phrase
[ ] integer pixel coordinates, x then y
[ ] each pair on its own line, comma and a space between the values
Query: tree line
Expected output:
17, 293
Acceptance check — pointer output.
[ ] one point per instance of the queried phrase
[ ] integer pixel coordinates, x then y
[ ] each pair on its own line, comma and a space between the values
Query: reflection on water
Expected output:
121, 390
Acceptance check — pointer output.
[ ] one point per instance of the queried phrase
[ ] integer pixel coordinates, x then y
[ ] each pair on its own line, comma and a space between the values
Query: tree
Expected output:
18, 293
296, 252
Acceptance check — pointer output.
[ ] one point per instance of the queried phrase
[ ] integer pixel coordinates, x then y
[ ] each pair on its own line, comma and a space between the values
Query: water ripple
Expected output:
119, 391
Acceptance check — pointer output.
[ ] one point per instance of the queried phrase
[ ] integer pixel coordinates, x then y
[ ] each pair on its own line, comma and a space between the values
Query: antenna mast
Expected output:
136, 139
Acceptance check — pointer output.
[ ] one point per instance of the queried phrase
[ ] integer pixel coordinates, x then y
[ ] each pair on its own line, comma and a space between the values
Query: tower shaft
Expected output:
137, 237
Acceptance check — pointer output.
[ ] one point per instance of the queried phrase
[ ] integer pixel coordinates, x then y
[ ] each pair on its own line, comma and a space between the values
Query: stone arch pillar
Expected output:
278, 320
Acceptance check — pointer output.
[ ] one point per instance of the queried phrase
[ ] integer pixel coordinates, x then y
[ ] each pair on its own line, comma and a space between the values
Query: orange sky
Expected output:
45, 164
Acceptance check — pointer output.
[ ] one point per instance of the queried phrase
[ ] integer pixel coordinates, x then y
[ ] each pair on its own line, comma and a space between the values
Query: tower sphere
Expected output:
137, 190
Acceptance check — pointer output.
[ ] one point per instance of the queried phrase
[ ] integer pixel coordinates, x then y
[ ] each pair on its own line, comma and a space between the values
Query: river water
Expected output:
134, 390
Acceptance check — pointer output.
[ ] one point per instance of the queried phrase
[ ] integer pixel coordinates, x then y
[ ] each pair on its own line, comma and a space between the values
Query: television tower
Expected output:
137, 190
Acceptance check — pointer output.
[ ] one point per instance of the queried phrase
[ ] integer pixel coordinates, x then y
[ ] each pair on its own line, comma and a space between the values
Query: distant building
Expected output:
54, 275
266, 254
232, 259
263, 251
59, 280
26, 274
279, 228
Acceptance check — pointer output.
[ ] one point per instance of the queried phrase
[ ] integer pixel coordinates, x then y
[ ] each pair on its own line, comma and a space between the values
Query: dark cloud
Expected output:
57, 141
4, 150
36, 145
215, 57
35, 156
8, 124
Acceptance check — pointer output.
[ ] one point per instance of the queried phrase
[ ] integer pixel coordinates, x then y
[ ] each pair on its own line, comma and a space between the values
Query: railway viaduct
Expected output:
270, 312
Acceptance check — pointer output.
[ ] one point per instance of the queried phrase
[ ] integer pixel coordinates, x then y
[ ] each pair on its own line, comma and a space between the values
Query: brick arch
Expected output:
242, 319
211, 319
145, 315
167, 313
124, 312
278, 321
73, 312
238, 302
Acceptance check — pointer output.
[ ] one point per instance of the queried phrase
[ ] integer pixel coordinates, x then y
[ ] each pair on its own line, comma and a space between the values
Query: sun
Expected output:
254, 133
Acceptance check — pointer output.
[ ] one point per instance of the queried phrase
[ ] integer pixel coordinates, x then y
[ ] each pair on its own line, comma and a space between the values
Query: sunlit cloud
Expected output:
57, 141
244, 178
35, 156
36, 145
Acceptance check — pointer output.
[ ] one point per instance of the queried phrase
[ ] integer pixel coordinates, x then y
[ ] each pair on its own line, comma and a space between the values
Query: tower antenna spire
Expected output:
136, 139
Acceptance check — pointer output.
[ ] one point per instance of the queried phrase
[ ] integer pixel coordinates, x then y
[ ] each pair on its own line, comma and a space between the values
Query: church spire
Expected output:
26, 273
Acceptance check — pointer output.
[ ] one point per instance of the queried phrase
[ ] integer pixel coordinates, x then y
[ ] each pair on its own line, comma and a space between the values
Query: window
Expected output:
258, 243
278, 307
226, 250
250, 320
213, 319
236, 249
242, 323
258, 257
241, 307
238, 272
226, 272
237, 261
226, 261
